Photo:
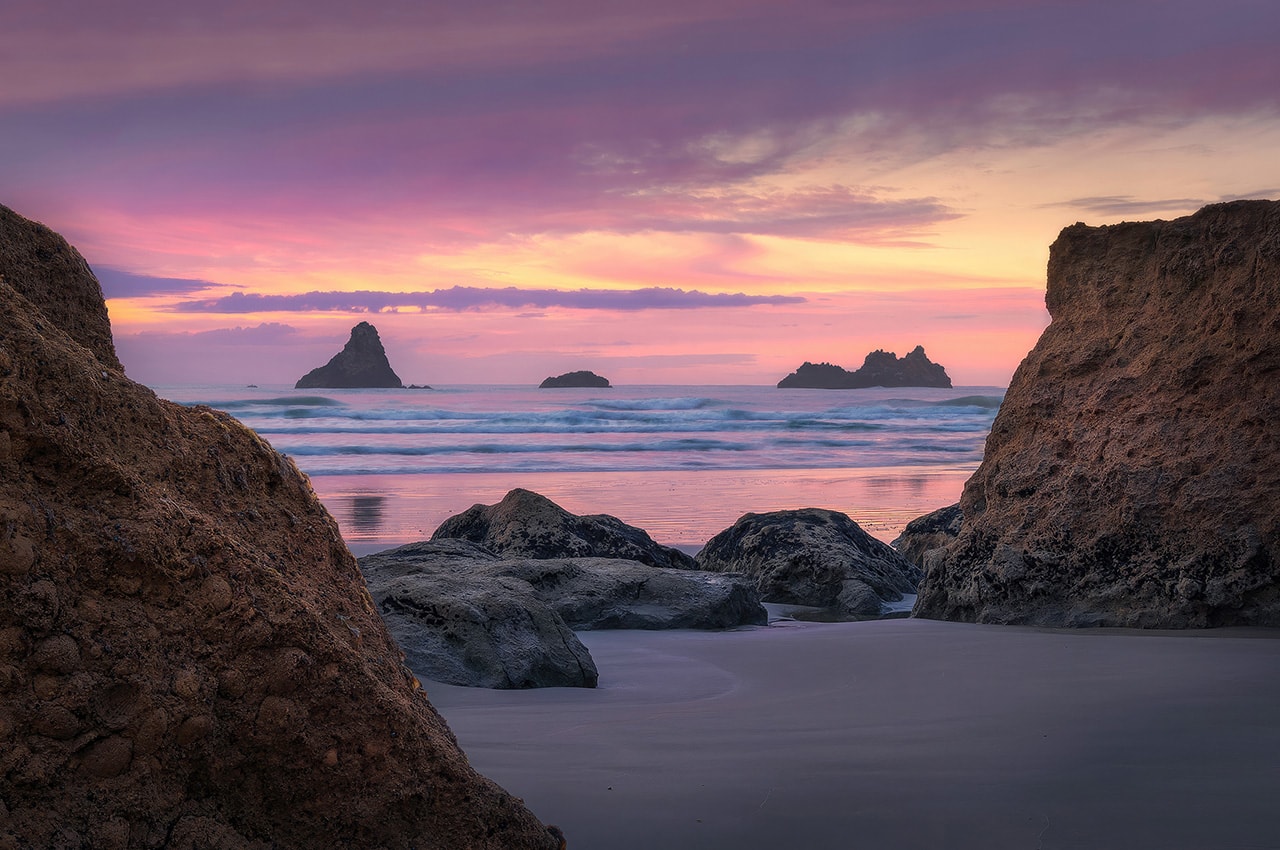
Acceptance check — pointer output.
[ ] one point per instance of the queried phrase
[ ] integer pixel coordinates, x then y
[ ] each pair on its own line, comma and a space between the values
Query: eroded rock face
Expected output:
527, 524
926, 533
1132, 476
188, 654
812, 557
362, 362
462, 620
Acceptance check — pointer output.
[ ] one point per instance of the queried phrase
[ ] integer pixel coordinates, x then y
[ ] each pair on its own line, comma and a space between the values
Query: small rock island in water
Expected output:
879, 369
575, 379
361, 363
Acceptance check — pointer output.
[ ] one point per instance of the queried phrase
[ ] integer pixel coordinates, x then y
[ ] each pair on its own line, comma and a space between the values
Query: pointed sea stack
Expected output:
1132, 476
188, 654
879, 369
362, 363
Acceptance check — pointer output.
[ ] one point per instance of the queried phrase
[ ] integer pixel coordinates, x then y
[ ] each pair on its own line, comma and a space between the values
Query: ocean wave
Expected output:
685, 445
283, 401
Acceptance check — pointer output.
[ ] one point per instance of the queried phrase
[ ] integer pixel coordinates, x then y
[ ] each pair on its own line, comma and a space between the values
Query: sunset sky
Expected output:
670, 191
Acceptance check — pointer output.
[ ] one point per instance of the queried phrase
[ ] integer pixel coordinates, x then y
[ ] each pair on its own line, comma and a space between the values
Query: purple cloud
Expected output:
117, 283
460, 298
1129, 205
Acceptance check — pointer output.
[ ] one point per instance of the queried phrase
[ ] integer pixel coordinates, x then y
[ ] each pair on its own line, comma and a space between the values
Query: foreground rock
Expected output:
586, 593
463, 621
812, 557
1132, 476
527, 524
188, 655
879, 369
929, 532
361, 363
575, 379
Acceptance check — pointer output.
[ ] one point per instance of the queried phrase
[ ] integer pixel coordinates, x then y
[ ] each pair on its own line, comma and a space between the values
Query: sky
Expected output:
667, 192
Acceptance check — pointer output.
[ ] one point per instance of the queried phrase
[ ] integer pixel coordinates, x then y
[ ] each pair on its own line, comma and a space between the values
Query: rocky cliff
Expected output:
1132, 476
879, 369
362, 362
188, 655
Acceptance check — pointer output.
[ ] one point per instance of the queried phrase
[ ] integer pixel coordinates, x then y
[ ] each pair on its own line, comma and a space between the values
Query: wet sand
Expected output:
896, 734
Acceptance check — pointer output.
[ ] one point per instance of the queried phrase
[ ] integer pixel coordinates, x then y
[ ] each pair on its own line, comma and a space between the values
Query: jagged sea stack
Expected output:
188, 655
361, 363
1132, 476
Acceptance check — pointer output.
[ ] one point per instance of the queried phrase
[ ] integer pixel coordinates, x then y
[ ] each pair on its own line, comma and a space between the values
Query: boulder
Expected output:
461, 621
812, 557
586, 593
879, 369
928, 532
575, 379
188, 653
527, 524
1132, 475
361, 363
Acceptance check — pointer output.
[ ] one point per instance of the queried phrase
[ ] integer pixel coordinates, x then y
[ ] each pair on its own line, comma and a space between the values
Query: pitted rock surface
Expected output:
1132, 475
188, 654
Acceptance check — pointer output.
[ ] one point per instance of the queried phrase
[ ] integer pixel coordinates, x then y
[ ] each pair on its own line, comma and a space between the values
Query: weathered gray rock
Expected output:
528, 524
362, 362
460, 621
926, 533
1132, 476
812, 557
587, 593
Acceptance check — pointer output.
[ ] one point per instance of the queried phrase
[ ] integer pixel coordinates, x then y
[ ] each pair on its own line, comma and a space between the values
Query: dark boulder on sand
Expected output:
926, 533
1132, 476
461, 620
582, 593
188, 654
362, 363
879, 369
812, 557
527, 524
571, 380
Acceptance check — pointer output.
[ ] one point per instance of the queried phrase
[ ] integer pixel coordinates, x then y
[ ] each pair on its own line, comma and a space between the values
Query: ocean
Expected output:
681, 462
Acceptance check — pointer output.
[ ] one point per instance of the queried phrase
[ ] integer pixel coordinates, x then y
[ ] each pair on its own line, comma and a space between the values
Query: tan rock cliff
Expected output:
1132, 476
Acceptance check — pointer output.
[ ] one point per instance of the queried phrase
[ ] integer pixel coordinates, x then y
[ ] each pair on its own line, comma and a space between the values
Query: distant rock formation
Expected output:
926, 533
462, 622
530, 525
188, 654
575, 379
361, 363
812, 557
1132, 475
879, 369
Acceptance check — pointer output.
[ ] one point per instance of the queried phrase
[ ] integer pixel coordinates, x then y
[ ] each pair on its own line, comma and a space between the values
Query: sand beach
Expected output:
896, 734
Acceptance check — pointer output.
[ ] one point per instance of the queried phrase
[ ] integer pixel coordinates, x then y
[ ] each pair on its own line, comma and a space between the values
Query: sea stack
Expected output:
1132, 475
361, 363
879, 369
188, 655
575, 379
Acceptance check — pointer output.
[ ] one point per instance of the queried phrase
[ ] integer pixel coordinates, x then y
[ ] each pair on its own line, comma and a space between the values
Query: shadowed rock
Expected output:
928, 532
575, 379
812, 557
879, 369
1132, 476
188, 654
449, 575
463, 621
528, 524
361, 363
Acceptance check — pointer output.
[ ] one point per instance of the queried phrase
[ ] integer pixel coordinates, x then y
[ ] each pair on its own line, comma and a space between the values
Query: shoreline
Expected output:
896, 733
